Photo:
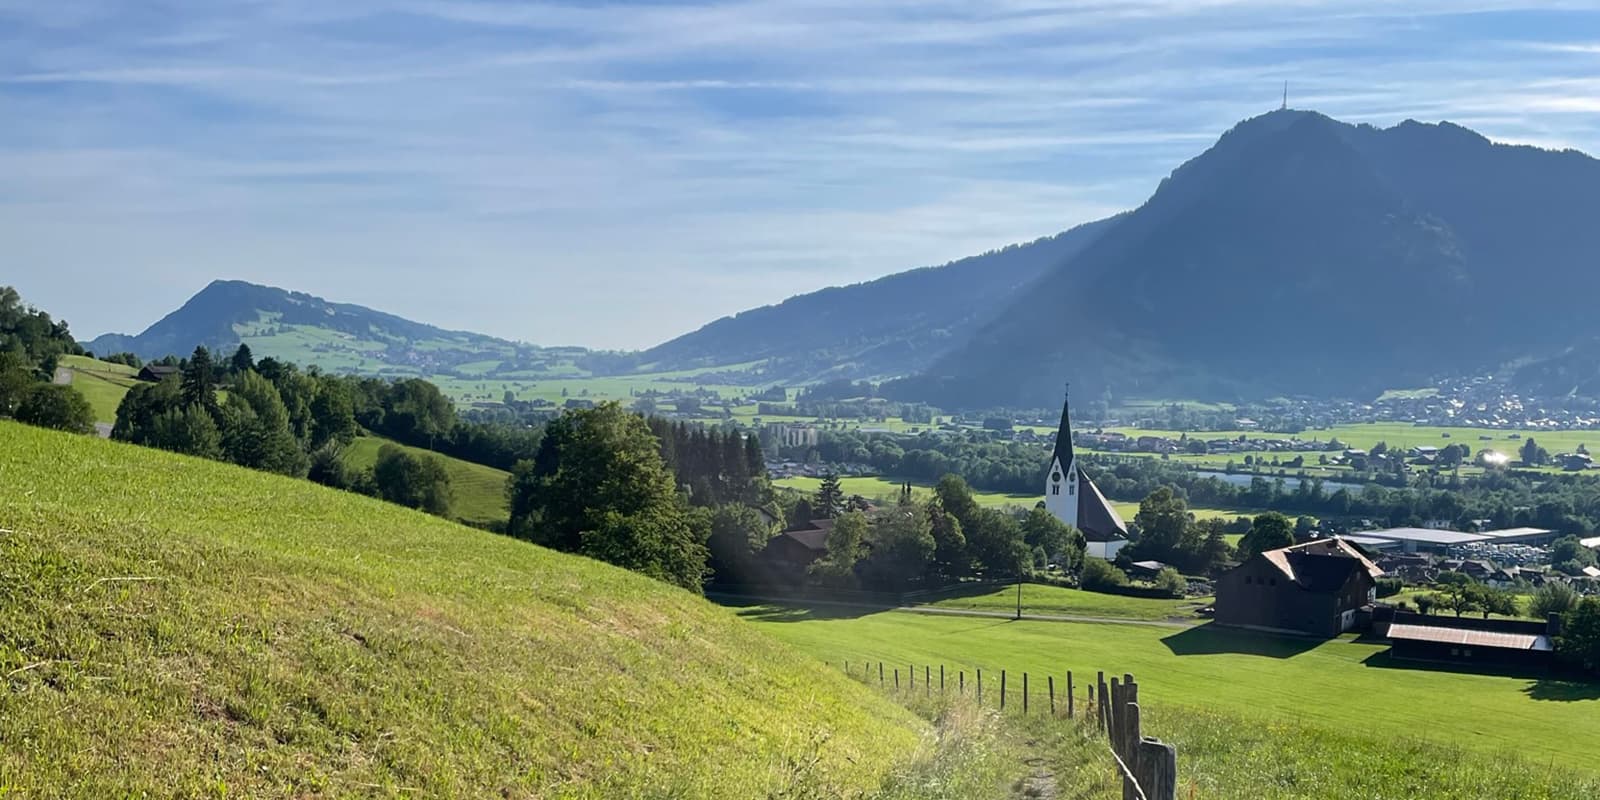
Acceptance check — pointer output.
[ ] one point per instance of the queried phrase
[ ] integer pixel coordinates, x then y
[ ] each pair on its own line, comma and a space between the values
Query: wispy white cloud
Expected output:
656, 165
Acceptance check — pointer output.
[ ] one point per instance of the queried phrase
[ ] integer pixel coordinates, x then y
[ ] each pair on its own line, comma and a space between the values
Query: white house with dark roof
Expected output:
1071, 497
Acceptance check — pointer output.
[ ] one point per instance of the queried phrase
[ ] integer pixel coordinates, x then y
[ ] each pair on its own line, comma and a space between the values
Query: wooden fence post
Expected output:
1128, 748
897, 679
1158, 770
941, 679
1024, 694
1113, 712
1002, 690
911, 675
880, 673
961, 682
980, 687
1069, 694
927, 679
1050, 685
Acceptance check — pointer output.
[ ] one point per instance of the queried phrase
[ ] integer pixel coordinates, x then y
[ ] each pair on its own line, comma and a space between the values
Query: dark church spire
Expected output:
1063, 453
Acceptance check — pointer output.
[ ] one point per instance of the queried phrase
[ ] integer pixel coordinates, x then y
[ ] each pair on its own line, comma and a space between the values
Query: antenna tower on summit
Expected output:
1285, 106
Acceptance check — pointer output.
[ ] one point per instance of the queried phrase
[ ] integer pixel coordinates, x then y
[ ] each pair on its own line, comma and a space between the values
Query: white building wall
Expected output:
1061, 496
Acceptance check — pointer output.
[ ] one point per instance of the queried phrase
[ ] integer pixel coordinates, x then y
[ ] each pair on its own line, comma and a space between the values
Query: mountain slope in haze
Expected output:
1304, 255
890, 326
310, 330
173, 627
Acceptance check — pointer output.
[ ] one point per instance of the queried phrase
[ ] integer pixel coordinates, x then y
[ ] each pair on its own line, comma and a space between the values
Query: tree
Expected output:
1569, 548
415, 481
1100, 576
1165, 527
829, 499
846, 545
50, 405
186, 430
902, 547
1060, 541
950, 558
598, 487
332, 410
1425, 603
242, 360
198, 385
738, 533
1579, 642
1554, 597
255, 428
1532, 454
16, 380
1269, 531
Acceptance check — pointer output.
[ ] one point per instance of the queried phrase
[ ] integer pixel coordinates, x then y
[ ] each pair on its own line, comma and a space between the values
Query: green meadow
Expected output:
478, 493
1338, 688
1058, 601
172, 627
102, 383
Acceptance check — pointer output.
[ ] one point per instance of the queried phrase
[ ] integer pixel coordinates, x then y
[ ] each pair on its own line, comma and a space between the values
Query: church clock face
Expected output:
1056, 477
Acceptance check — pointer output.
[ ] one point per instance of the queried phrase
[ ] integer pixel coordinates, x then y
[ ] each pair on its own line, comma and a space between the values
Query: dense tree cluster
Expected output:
30, 345
1168, 533
598, 487
716, 467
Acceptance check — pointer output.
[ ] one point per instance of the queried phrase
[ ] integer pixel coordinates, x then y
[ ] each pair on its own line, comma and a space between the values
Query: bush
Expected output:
1552, 598
1170, 581
1389, 587
1101, 576
50, 405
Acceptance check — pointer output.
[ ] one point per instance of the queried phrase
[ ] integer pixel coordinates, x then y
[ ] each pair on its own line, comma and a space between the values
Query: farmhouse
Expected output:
1075, 500
1497, 642
1314, 588
155, 373
790, 553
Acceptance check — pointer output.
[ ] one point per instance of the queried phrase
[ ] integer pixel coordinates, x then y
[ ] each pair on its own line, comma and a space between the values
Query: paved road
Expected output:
951, 612
63, 376
103, 430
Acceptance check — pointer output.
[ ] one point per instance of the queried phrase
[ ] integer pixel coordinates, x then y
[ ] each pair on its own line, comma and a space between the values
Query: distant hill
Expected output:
337, 336
179, 627
891, 326
1305, 255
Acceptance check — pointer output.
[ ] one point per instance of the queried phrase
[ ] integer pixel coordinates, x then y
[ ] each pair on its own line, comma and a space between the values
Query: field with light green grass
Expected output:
888, 488
1404, 435
173, 627
478, 493
1410, 595
1305, 718
1060, 601
102, 383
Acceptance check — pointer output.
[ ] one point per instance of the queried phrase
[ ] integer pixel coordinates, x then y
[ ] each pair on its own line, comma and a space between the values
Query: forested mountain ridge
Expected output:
891, 326
1305, 255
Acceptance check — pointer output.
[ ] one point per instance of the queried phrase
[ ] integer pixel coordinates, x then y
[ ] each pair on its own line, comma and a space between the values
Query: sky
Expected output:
616, 174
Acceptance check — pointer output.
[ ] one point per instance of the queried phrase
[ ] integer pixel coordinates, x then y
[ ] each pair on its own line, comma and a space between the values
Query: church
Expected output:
1075, 500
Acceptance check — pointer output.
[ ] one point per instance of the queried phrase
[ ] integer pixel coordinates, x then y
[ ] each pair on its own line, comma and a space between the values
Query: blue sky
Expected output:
614, 174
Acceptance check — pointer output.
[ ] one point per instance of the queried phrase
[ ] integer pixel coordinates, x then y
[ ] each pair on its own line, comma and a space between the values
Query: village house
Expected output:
1316, 589
155, 373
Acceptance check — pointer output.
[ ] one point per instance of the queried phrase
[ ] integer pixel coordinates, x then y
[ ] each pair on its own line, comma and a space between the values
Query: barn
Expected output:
1314, 589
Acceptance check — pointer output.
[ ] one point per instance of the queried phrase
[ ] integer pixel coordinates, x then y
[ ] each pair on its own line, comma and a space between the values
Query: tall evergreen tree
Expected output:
829, 500
243, 361
198, 387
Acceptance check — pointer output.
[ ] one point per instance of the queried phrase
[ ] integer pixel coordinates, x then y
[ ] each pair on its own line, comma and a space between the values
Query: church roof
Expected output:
1063, 451
1098, 521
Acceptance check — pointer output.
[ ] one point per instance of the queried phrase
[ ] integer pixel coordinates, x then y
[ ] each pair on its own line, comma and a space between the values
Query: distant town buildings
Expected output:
787, 434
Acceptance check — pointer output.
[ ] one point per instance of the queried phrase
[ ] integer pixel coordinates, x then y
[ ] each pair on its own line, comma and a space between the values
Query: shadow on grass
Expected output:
1383, 660
1563, 691
1214, 639
798, 611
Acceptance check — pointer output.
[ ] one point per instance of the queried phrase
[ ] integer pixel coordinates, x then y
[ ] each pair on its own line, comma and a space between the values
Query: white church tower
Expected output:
1071, 497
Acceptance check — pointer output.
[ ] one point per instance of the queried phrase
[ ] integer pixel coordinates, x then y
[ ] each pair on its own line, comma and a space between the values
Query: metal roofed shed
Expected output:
1471, 638
1412, 538
1370, 543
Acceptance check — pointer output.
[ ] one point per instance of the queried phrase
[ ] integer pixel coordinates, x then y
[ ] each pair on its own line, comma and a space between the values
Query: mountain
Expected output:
891, 326
1301, 254
310, 330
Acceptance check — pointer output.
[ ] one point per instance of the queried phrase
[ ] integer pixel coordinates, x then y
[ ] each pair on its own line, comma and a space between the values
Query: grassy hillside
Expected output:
1341, 691
177, 627
479, 491
102, 383
1058, 601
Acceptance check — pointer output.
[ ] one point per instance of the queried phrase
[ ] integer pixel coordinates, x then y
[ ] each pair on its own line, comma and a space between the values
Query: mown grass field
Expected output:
102, 383
1060, 601
478, 493
171, 627
874, 488
1336, 690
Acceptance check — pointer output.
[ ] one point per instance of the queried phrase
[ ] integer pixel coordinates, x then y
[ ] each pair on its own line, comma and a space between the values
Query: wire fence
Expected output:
1149, 767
